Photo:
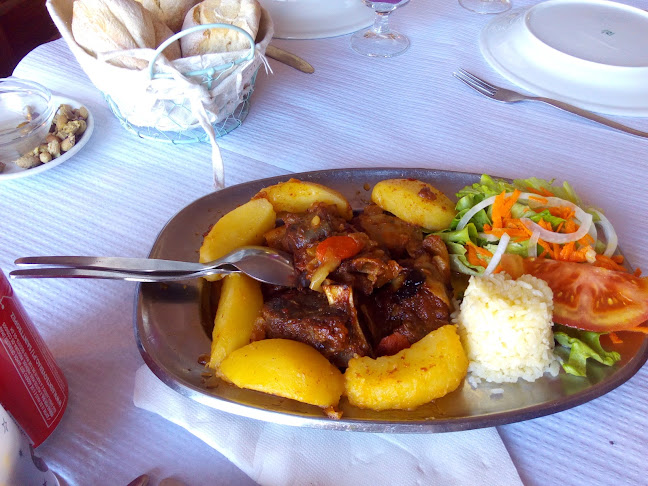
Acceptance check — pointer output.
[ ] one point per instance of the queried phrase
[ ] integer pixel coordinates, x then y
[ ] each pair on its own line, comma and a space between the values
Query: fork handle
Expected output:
63, 272
138, 265
591, 116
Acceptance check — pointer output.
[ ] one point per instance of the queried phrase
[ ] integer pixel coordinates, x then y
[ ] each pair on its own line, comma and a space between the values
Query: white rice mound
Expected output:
505, 328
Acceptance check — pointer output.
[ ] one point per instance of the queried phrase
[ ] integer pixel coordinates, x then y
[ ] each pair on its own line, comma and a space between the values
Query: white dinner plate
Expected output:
315, 19
590, 53
12, 171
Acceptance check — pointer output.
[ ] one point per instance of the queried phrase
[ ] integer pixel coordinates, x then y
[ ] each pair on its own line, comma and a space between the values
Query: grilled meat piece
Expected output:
400, 314
309, 317
399, 238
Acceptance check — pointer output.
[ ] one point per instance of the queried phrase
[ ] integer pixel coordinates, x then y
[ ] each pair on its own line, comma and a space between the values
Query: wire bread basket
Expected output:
191, 99
173, 119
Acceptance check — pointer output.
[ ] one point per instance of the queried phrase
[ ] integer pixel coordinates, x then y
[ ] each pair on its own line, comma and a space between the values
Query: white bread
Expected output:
245, 14
101, 26
169, 12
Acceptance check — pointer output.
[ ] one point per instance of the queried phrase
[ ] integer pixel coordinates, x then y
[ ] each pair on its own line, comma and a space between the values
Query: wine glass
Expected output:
486, 6
380, 40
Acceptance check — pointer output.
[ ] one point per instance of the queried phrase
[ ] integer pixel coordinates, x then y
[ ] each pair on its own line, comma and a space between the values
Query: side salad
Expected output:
536, 227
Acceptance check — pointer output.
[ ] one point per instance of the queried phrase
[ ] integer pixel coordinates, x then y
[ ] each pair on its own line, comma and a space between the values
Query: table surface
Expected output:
117, 193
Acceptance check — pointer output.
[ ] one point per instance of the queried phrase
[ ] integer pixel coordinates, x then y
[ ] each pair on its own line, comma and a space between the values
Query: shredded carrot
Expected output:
586, 240
545, 224
542, 191
483, 251
473, 255
609, 263
617, 259
539, 199
615, 338
501, 209
510, 201
562, 212
637, 272
497, 210
546, 249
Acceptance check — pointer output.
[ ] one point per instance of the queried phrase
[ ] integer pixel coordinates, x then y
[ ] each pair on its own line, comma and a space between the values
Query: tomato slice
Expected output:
592, 298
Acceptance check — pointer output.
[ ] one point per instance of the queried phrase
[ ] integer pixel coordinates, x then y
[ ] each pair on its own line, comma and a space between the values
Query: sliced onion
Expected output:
593, 233
610, 234
533, 245
497, 256
474, 210
560, 238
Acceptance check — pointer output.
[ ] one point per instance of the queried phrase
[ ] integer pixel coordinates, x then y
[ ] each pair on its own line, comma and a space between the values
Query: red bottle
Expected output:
32, 386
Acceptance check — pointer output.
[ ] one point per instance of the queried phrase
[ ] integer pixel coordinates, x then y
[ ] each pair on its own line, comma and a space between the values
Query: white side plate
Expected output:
315, 19
590, 53
12, 171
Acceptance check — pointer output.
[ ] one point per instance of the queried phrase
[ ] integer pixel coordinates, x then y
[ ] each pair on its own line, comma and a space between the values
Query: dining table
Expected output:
116, 194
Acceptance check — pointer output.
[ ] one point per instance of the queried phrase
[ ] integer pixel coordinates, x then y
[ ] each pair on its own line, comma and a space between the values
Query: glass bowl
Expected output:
26, 113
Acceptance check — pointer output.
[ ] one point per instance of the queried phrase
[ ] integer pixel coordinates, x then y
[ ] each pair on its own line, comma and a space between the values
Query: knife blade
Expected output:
289, 59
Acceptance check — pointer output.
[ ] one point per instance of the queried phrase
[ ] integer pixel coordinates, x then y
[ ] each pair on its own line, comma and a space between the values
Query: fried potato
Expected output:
429, 369
297, 196
286, 368
239, 305
416, 202
242, 226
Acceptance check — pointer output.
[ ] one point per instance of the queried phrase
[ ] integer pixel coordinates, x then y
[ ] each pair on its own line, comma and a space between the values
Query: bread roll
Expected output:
169, 12
101, 26
245, 14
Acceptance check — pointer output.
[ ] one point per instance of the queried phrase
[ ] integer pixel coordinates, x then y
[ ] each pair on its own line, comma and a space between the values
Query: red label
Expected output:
32, 387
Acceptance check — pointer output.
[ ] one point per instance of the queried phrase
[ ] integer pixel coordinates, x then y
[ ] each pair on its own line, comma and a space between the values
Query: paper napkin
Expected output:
274, 454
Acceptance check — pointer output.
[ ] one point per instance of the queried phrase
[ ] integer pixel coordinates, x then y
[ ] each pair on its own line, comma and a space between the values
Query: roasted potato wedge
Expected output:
297, 196
416, 202
242, 226
286, 368
429, 369
239, 305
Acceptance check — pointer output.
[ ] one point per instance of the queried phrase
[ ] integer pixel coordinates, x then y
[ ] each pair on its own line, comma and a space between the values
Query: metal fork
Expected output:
509, 96
261, 263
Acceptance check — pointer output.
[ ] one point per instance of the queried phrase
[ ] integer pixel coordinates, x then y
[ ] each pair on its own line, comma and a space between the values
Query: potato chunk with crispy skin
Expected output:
415, 202
297, 196
286, 368
239, 305
429, 369
242, 226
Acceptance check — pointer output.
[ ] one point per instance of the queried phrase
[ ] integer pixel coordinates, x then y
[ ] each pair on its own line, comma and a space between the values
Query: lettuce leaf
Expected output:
487, 187
582, 345
566, 191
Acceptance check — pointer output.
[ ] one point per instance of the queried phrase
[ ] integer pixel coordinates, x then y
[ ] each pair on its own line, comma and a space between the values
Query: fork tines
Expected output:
474, 82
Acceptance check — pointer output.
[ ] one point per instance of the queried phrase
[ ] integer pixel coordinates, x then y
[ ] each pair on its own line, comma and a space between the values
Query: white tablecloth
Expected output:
119, 191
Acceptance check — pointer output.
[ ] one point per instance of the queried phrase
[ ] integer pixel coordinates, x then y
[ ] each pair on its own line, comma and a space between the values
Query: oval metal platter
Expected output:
171, 336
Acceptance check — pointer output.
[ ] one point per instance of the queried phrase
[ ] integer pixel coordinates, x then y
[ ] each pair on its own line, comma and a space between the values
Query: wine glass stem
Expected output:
381, 23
